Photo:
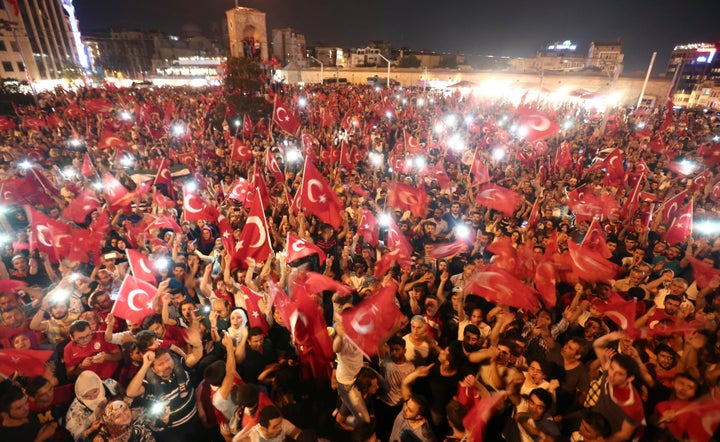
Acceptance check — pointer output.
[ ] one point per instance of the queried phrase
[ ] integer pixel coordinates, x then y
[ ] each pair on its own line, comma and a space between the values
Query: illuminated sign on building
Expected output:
566, 45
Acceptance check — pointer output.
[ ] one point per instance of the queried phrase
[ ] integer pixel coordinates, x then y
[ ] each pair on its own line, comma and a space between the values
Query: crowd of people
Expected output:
541, 315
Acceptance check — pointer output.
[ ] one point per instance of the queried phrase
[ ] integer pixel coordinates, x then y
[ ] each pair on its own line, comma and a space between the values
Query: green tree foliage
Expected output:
244, 88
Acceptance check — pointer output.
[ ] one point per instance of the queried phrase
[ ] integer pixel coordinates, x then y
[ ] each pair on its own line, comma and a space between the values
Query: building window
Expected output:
14, 46
2, 46
7, 66
21, 66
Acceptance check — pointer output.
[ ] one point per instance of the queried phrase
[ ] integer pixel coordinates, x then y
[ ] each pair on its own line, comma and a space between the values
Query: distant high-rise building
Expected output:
247, 33
289, 46
41, 36
691, 65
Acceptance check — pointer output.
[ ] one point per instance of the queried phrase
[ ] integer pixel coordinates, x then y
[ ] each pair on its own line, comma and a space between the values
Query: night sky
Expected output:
494, 27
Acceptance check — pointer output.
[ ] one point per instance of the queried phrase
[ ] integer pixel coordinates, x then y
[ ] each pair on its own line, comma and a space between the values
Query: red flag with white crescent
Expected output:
298, 248
682, 227
134, 300
30, 363
499, 286
255, 315
239, 190
411, 143
623, 314
247, 127
318, 197
286, 120
141, 266
111, 140
536, 126
83, 204
590, 266
254, 241
367, 227
671, 207
499, 198
240, 151
163, 175
443, 250
397, 240
272, 165
405, 197
372, 319
196, 208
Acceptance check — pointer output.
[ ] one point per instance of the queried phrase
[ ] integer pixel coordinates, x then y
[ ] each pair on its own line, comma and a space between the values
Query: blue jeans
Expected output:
352, 399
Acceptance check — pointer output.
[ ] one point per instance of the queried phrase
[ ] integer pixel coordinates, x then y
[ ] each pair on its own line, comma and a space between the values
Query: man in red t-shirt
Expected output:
88, 350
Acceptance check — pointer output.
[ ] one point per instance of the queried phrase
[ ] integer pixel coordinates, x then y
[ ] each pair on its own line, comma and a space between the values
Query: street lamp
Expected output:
322, 67
388, 62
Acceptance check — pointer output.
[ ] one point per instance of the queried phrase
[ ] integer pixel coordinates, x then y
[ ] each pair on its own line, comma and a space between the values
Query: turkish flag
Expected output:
33, 123
83, 204
254, 239
46, 232
116, 193
247, 127
480, 170
536, 126
6, 123
411, 143
239, 190
162, 222
298, 248
534, 214
438, 172
162, 202
74, 111
11, 285
196, 208
388, 260
110, 140
614, 169
282, 116
318, 197
317, 283
272, 165
590, 266
367, 227
649, 197
284, 305
240, 151
409, 198
311, 336
99, 106
669, 116
715, 194
498, 198
370, 321
87, 170
163, 175
657, 144
478, 416
681, 228
623, 314
632, 203
346, 158
545, 283
141, 266
563, 156
134, 300
700, 181
702, 272
255, 315
711, 155
443, 250
671, 207
28, 363
595, 240
501, 287
397, 240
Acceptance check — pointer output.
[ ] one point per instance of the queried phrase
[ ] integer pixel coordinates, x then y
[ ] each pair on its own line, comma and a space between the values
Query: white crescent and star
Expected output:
284, 117
131, 299
360, 316
315, 183
254, 219
538, 123
41, 232
189, 207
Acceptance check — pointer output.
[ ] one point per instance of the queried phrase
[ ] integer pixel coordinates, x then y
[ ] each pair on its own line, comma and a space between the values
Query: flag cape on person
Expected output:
134, 301
369, 322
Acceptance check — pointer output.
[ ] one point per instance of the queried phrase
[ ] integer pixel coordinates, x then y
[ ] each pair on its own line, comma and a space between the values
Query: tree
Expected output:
244, 88
409, 61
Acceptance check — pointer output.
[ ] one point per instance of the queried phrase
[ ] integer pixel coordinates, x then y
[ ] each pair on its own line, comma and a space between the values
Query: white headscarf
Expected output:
238, 333
87, 381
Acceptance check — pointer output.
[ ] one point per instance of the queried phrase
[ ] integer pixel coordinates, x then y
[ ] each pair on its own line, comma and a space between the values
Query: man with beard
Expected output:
57, 326
163, 381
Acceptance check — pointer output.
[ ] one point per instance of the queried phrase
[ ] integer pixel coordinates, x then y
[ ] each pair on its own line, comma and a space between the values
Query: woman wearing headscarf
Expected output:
118, 425
91, 393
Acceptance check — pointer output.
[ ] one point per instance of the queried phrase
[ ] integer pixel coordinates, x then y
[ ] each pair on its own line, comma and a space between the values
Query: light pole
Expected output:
322, 67
388, 62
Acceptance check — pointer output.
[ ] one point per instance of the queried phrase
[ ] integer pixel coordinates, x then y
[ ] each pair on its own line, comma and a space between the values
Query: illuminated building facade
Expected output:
288, 46
330, 56
692, 65
41, 39
607, 57
247, 33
